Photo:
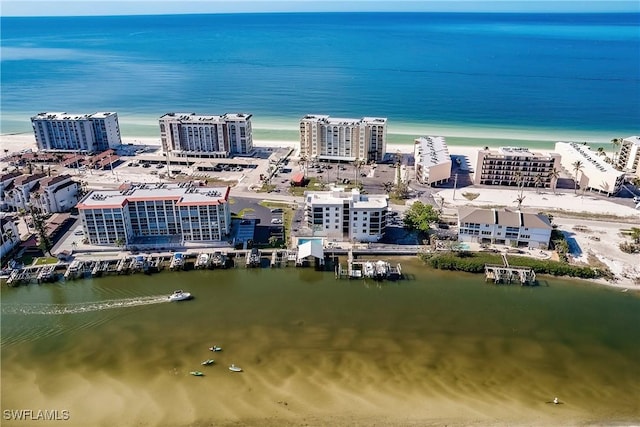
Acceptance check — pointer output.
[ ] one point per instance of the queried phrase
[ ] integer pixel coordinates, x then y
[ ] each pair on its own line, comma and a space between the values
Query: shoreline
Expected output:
538, 200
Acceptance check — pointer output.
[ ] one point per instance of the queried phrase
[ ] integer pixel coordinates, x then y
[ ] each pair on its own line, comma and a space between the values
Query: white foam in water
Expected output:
83, 307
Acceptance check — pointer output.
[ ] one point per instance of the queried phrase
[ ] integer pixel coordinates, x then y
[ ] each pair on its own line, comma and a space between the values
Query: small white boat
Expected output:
234, 368
179, 296
197, 373
215, 348
208, 362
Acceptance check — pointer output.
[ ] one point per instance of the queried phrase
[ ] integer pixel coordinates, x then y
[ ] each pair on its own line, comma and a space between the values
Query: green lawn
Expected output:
45, 261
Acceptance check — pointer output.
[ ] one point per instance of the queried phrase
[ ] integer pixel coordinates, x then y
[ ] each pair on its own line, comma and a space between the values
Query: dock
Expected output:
375, 269
508, 274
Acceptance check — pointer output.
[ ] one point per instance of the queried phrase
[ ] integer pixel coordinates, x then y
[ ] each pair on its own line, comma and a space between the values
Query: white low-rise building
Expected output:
594, 174
76, 132
9, 234
17, 194
331, 138
156, 215
55, 194
191, 135
346, 216
432, 160
628, 159
6, 181
504, 227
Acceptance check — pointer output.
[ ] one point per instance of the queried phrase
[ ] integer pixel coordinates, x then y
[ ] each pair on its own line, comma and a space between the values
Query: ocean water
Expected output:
469, 77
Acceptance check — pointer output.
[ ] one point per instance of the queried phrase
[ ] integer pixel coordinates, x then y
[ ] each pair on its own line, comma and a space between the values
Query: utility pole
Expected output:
455, 185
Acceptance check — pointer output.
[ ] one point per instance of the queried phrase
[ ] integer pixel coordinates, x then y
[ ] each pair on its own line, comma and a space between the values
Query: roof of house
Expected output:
504, 217
311, 248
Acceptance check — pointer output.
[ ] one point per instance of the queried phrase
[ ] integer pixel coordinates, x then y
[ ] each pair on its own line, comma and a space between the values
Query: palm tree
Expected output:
577, 167
303, 163
518, 177
554, 175
358, 163
616, 142
519, 200
538, 181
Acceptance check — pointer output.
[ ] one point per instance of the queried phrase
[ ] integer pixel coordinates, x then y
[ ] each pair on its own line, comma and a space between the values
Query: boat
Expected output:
179, 296
197, 373
215, 348
234, 368
208, 362
203, 260
177, 261
369, 269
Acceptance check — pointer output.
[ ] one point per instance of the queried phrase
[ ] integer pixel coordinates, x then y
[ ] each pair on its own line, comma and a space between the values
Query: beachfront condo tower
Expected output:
628, 158
515, 166
328, 138
190, 135
346, 215
432, 160
593, 172
87, 133
156, 215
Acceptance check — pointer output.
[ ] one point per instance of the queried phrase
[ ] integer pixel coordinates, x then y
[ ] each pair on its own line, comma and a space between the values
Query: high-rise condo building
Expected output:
76, 132
592, 172
346, 215
515, 166
190, 135
432, 160
156, 215
628, 158
329, 138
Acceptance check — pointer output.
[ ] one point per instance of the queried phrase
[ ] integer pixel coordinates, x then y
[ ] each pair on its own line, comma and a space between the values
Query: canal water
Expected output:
438, 348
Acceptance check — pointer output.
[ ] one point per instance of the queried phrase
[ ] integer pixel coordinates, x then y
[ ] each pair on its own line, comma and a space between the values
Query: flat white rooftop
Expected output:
432, 150
196, 118
183, 194
344, 121
67, 116
337, 196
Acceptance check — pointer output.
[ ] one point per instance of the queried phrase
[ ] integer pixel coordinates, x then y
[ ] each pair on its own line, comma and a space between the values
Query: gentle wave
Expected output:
84, 307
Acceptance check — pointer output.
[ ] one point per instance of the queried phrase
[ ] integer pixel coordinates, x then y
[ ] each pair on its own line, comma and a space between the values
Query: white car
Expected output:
636, 199
79, 232
276, 221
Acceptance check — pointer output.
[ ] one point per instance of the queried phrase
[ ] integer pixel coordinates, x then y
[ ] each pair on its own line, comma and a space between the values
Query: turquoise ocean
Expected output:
474, 78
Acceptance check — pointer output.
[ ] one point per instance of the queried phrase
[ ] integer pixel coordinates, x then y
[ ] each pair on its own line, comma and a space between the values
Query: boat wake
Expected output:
83, 307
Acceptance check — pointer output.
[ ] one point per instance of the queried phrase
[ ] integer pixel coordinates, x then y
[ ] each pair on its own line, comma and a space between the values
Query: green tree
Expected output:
635, 234
45, 241
273, 241
538, 181
615, 142
577, 167
554, 175
420, 216
120, 242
